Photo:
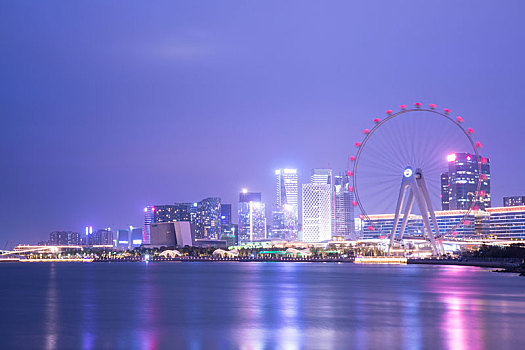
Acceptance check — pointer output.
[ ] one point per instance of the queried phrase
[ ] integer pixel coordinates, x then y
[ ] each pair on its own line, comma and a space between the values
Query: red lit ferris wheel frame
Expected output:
378, 123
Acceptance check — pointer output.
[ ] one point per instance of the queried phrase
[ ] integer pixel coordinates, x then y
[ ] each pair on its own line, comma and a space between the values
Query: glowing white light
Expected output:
244, 190
451, 157
277, 172
407, 172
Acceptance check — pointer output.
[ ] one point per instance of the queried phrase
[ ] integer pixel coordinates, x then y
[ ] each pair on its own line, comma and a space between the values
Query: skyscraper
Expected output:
123, 239
445, 192
173, 212
285, 213
135, 236
204, 216
343, 208
463, 174
64, 238
149, 218
101, 237
208, 221
252, 217
317, 206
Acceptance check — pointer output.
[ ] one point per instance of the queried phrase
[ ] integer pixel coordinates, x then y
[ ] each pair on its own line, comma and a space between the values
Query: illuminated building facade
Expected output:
463, 174
507, 222
515, 201
149, 218
208, 220
204, 216
252, 217
285, 213
317, 207
64, 238
123, 239
381, 225
475, 225
135, 236
100, 237
445, 192
343, 208
173, 212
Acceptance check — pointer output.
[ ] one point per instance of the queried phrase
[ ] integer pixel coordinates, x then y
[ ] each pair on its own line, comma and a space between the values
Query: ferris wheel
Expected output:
399, 167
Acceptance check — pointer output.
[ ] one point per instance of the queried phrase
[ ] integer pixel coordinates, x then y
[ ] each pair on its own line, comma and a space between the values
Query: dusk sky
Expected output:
108, 106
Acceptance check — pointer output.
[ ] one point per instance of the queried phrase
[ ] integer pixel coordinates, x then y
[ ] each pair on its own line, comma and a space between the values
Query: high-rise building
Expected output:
321, 176
136, 236
463, 175
149, 218
445, 192
204, 216
287, 190
208, 223
317, 207
64, 238
123, 239
101, 237
285, 213
226, 214
513, 201
173, 212
252, 217
343, 208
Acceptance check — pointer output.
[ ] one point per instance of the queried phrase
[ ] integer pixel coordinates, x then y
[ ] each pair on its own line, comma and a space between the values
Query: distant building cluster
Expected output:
327, 206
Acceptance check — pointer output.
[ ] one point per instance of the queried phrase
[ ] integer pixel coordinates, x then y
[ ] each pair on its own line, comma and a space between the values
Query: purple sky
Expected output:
108, 106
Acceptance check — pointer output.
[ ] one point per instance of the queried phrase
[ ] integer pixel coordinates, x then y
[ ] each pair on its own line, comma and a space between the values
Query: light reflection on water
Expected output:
51, 310
260, 306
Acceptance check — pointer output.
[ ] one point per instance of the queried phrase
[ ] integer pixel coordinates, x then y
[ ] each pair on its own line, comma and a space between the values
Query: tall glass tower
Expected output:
463, 174
317, 206
343, 208
285, 213
149, 218
252, 217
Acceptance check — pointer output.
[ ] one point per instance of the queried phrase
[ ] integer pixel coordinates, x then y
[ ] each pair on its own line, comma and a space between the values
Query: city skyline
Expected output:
163, 212
104, 122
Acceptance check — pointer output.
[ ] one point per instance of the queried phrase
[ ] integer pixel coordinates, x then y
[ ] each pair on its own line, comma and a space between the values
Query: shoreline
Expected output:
507, 265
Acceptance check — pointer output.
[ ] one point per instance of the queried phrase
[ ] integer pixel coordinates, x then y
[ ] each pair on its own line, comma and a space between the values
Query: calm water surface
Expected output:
259, 306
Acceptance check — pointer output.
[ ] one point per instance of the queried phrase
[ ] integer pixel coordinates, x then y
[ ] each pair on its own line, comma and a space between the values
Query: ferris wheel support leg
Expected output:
408, 210
399, 206
424, 213
423, 187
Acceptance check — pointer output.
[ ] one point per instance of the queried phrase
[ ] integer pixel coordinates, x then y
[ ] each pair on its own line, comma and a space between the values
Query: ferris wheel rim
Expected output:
391, 115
